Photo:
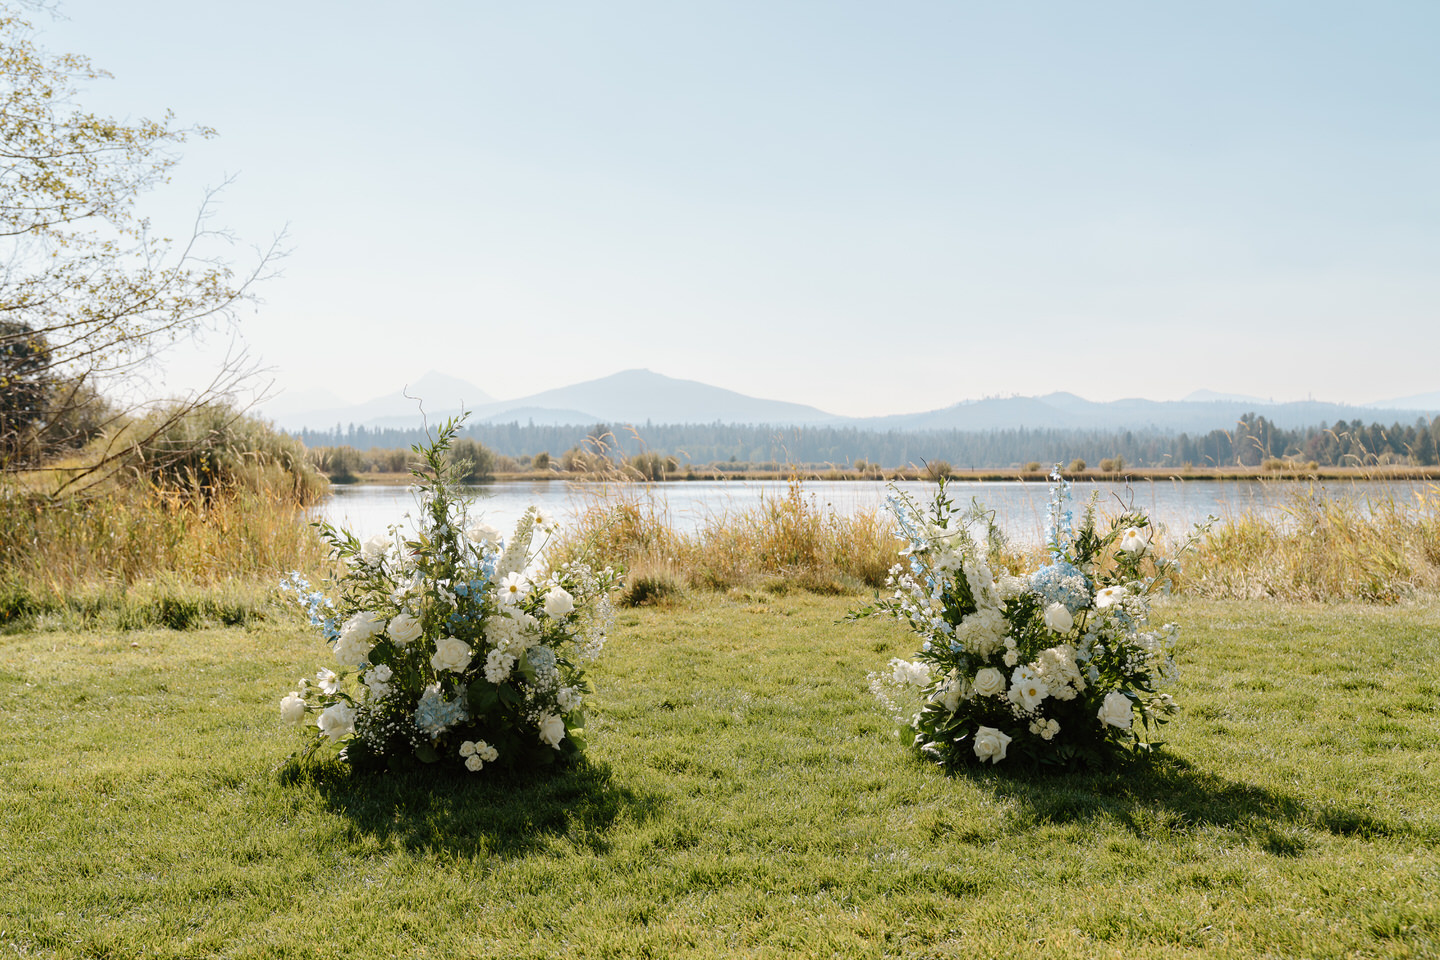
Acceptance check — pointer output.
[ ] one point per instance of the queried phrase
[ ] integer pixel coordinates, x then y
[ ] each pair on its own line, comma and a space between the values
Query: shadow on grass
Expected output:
1161, 795
508, 815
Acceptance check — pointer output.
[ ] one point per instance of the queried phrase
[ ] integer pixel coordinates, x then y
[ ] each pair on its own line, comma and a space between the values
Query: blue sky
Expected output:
871, 208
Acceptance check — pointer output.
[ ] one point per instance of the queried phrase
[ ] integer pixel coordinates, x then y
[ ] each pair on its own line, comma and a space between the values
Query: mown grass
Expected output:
743, 796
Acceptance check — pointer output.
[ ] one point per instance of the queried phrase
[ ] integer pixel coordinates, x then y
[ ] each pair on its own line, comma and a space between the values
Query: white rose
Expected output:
1108, 597
552, 730
1058, 618
990, 744
558, 602
483, 534
375, 547
451, 654
337, 720
292, 708
1132, 541
404, 629
989, 682
1116, 710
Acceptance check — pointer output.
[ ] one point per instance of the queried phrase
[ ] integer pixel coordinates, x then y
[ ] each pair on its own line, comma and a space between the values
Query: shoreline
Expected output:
956, 475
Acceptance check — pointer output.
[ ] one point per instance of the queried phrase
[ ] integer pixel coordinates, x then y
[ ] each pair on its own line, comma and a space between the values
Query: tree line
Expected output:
1252, 442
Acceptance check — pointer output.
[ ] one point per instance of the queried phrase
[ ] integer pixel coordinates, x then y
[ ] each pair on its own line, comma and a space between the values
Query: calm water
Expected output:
1020, 507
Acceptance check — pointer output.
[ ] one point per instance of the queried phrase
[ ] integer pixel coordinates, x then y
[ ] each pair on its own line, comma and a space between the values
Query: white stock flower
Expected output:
357, 638
1132, 541
991, 744
337, 720
989, 682
378, 680
1108, 597
292, 708
1058, 618
567, 699
1116, 710
404, 629
498, 665
558, 602
552, 730
451, 654
514, 588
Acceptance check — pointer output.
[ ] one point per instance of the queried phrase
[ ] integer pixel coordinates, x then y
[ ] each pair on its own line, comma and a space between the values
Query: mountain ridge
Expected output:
640, 396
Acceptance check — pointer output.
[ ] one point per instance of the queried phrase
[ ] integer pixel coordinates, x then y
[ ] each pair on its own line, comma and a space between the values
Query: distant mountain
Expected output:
1421, 401
638, 396
1067, 411
642, 396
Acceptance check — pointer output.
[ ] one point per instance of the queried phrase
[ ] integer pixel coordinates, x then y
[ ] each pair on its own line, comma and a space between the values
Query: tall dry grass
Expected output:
782, 543
1379, 549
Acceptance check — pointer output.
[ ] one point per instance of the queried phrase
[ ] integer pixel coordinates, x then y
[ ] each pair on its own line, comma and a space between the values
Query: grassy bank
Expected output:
744, 797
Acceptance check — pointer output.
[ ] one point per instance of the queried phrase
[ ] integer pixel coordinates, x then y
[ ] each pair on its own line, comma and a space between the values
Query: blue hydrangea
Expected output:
435, 714
1063, 583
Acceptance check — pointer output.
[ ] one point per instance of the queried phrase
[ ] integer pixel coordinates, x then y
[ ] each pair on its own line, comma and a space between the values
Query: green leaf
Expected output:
425, 753
482, 697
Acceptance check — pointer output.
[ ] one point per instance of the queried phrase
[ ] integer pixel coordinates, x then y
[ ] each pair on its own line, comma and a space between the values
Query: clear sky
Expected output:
868, 207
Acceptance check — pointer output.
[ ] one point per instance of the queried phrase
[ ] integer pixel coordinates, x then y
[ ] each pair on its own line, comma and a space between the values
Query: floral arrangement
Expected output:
449, 646
1057, 667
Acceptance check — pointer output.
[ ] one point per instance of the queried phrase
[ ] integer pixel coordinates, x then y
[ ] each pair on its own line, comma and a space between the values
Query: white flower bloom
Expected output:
1132, 541
558, 602
1117, 710
477, 754
451, 654
292, 708
989, 682
991, 744
514, 588
337, 720
375, 547
567, 699
404, 629
1108, 597
1058, 618
378, 680
552, 730
357, 638
498, 665
903, 671
483, 534
326, 681
1027, 689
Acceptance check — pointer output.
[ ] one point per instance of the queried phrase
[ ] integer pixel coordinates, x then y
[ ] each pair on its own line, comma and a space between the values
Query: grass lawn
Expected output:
744, 796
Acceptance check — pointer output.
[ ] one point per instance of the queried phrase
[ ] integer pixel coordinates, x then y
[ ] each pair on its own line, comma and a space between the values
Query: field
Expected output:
744, 796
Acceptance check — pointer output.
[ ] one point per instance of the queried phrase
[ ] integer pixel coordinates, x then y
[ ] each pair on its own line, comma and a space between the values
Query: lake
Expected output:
1020, 507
